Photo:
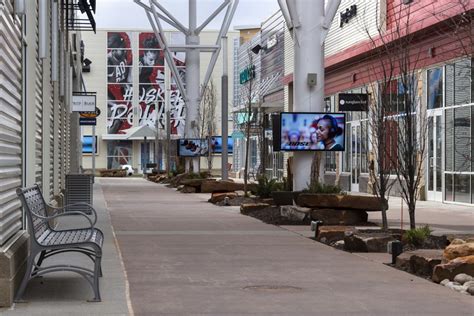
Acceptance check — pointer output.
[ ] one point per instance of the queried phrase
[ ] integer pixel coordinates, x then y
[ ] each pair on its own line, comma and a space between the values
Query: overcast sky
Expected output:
126, 14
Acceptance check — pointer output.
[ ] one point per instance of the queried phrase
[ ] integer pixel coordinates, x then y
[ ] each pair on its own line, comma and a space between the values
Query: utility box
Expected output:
79, 188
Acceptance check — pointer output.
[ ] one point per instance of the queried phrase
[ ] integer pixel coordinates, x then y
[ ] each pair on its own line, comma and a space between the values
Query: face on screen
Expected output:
312, 131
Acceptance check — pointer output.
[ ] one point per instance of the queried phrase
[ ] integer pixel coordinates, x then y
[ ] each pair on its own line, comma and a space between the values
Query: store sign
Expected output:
272, 41
353, 102
346, 16
83, 103
247, 74
92, 114
87, 121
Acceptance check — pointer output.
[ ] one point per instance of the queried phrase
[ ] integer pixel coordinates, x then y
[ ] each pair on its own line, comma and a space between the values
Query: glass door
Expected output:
434, 163
355, 157
147, 153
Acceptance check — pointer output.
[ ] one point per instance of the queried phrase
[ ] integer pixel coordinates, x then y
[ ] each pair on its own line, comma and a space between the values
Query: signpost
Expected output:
89, 118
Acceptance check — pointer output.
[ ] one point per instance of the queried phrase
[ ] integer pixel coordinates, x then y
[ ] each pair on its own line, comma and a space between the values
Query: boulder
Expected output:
248, 208
452, 268
470, 289
208, 186
331, 234
358, 243
295, 213
458, 248
423, 261
220, 196
339, 217
192, 183
402, 261
338, 244
435, 242
188, 189
339, 201
462, 278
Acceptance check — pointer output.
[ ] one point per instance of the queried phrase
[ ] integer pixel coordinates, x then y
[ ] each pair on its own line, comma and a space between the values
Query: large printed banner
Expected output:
150, 83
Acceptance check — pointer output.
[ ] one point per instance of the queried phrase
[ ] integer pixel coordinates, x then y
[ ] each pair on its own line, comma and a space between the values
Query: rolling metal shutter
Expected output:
10, 122
38, 115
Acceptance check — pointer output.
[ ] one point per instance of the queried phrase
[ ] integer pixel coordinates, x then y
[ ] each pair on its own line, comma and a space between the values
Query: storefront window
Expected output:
458, 83
449, 144
462, 191
435, 88
448, 187
119, 152
462, 143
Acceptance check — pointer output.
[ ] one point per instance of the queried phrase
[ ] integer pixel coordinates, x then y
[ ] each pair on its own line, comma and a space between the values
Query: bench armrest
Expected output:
69, 213
61, 210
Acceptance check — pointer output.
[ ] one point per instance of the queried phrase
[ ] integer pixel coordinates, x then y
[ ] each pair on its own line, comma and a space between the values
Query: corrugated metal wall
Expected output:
38, 108
10, 121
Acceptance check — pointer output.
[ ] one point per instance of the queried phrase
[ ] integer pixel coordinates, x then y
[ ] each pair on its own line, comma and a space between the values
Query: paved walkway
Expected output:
184, 256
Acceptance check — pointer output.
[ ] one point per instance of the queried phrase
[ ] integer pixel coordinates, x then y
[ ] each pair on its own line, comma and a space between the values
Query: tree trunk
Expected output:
411, 210
384, 213
247, 148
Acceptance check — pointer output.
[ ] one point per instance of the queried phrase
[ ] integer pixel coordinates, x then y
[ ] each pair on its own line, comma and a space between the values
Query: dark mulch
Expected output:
271, 215
240, 200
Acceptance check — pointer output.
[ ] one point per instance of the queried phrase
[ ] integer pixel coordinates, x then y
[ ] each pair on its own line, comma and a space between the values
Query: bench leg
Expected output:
26, 279
95, 281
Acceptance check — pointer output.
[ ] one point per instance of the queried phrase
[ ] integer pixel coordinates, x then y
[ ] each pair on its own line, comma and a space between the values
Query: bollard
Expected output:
395, 248
315, 227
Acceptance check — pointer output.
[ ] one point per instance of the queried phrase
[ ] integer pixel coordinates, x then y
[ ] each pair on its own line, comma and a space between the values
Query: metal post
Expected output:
168, 118
309, 58
94, 146
225, 108
192, 80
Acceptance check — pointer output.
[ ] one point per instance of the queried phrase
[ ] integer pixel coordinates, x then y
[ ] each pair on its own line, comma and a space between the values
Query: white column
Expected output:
309, 58
192, 81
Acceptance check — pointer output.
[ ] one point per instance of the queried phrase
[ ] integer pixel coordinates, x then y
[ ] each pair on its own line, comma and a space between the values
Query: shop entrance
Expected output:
434, 162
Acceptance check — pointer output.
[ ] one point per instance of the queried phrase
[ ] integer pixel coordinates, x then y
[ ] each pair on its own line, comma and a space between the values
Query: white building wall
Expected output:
96, 81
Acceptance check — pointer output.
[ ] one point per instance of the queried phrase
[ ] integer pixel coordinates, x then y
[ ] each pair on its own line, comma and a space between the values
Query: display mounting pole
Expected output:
225, 109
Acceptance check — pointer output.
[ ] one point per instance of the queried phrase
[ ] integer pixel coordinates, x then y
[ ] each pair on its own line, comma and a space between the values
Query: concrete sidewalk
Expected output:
184, 256
67, 293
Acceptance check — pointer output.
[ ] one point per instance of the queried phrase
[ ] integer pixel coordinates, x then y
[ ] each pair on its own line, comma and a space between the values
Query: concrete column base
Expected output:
12, 267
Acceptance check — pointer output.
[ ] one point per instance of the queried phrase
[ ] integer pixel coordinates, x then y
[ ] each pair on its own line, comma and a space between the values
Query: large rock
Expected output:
220, 186
339, 201
452, 268
188, 189
423, 261
458, 248
462, 278
248, 208
220, 196
402, 261
331, 234
294, 213
193, 183
339, 217
360, 243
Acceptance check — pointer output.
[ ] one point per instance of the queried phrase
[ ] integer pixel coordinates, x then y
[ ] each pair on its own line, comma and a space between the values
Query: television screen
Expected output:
216, 145
312, 131
192, 147
87, 144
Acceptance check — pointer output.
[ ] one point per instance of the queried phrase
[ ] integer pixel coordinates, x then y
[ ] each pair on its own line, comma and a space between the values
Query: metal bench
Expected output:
46, 240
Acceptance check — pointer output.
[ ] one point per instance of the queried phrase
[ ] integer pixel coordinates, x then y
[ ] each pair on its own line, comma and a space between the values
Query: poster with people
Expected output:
124, 58
119, 82
312, 131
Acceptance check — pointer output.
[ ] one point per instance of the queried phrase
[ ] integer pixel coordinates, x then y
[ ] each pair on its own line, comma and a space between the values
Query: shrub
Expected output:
317, 187
287, 184
266, 186
417, 236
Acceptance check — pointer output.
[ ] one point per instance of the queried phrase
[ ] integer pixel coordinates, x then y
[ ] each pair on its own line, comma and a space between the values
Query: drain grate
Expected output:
273, 288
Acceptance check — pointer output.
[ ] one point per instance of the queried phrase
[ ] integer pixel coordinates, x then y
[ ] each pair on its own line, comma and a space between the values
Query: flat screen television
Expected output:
216, 145
87, 144
193, 147
301, 131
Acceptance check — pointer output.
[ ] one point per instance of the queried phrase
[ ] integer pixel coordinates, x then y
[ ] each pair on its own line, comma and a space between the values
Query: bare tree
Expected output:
207, 118
248, 94
398, 123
